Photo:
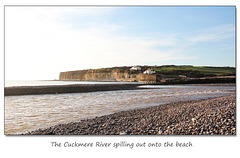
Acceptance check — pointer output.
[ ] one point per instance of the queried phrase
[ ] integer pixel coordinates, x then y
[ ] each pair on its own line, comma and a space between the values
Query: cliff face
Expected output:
103, 75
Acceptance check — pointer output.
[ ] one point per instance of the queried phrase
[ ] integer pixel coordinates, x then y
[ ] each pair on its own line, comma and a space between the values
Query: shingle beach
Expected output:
214, 116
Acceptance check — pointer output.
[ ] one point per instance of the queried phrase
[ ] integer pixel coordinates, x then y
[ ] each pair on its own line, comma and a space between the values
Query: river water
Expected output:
30, 112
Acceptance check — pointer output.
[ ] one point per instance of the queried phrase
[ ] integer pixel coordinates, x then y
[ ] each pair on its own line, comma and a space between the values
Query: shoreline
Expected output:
214, 116
82, 88
58, 89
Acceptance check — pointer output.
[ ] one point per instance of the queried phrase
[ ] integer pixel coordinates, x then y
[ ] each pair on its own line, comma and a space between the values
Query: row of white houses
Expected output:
148, 71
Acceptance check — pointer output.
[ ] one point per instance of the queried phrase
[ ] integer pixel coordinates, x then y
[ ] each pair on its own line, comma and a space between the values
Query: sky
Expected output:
41, 42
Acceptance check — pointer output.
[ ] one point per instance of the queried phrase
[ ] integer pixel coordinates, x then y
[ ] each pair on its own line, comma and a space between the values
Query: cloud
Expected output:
40, 43
217, 33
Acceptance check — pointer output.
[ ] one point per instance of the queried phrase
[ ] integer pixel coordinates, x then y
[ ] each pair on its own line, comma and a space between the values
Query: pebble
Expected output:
215, 116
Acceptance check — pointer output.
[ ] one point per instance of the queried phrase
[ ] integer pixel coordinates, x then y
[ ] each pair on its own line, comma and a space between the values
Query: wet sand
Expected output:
215, 116
77, 88
82, 88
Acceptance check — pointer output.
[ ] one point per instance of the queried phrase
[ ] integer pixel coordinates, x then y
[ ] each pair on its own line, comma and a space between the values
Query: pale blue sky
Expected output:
43, 41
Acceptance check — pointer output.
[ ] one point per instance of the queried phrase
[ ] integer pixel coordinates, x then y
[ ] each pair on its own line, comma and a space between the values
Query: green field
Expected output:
173, 71
201, 69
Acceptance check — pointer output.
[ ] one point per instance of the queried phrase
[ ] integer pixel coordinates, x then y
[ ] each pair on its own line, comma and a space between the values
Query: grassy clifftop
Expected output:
166, 74
175, 71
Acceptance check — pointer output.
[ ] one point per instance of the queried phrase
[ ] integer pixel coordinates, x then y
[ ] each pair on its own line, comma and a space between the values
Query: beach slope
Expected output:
215, 116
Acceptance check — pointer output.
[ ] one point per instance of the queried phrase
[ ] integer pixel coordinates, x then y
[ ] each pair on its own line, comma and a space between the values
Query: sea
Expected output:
16, 83
25, 113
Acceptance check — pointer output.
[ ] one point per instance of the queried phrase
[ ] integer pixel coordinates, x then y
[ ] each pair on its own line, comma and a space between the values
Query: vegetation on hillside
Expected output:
173, 71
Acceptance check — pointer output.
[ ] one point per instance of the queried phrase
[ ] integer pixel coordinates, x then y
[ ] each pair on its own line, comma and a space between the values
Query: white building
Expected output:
136, 68
149, 71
